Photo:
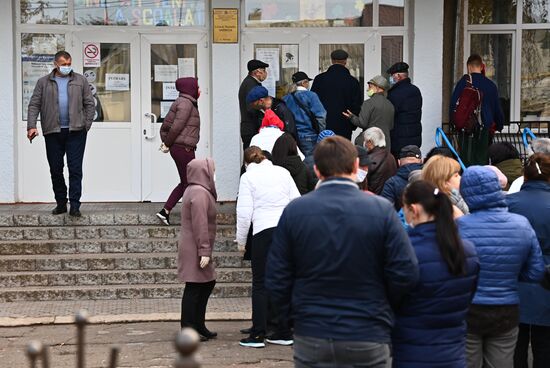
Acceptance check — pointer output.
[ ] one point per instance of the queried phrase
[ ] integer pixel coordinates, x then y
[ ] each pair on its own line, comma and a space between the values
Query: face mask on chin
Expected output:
370, 92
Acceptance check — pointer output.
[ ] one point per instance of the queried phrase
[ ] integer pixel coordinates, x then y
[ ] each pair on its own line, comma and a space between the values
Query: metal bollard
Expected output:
114, 357
81, 320
45, 357
34, 350
187, 343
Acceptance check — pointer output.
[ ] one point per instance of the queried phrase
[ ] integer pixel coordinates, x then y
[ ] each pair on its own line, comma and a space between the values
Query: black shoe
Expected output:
203, 338
246, 331
164, 216
207, 333
75, 212
59, 209
253, 342
279, 339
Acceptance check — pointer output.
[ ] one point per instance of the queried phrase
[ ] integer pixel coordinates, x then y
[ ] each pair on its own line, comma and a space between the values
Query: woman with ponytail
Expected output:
430, 326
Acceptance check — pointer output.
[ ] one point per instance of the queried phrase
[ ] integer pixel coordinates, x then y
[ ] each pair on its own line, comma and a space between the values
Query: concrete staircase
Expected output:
106, 254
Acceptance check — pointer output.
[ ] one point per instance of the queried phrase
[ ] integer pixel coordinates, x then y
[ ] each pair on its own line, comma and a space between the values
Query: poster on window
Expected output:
33, 67
289, 56
186, 67
169, 91
117, 82
270, 56
166, 73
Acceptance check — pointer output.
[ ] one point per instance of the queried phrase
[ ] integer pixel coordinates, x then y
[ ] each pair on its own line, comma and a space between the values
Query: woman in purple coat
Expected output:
196, 242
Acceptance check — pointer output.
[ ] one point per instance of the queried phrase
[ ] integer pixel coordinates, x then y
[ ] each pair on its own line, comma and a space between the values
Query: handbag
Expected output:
311, 116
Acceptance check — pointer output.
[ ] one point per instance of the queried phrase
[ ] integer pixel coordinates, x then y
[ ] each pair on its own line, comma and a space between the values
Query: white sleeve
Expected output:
294, 192
516, 185
245, 209
302, 157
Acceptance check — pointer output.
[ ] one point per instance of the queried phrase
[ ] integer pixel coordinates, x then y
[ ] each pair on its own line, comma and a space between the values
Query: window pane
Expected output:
496, 52
177, 13
392, 52
44, 12
492, 11
309, 13
37, 54
110, 83
169, 62
536, 11
535, 79
283, 62
355, 62
391, 12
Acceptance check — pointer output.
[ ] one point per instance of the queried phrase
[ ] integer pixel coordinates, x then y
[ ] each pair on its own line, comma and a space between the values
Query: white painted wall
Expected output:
226, 141
428, 65
7, 106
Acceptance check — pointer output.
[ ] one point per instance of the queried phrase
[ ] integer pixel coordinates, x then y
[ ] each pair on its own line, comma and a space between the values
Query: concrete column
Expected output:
226, 141
428, 65
7, 105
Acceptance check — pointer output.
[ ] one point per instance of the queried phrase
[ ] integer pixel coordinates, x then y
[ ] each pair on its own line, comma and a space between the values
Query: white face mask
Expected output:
214, 178
361, 175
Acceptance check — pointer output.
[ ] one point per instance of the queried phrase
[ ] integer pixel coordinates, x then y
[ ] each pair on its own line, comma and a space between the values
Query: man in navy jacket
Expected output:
339, 261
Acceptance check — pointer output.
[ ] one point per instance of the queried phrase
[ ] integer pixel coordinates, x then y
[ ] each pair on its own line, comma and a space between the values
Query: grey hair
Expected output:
376, 136
541, 145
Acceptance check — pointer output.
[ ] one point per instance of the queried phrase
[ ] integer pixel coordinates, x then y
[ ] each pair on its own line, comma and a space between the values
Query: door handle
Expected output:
152, 120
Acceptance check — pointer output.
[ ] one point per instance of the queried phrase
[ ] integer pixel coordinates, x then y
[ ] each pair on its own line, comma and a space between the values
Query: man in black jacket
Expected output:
407, 101
257, 73
339, 262
339, 91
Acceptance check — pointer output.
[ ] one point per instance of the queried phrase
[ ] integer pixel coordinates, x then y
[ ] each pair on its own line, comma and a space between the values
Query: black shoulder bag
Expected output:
311, 116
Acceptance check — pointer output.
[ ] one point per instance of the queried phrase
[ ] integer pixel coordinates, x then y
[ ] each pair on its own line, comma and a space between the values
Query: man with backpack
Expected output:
309, 113
475, 113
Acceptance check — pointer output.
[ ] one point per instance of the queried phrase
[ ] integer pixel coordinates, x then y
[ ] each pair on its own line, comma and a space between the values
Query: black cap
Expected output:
363, 155
339, 55
300, 76
256, 64
410, 151
400, 67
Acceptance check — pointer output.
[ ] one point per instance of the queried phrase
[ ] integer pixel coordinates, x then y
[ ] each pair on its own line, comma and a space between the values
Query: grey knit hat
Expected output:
381, 82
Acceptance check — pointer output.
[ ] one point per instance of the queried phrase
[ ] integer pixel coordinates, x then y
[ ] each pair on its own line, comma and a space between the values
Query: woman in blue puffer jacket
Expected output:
430, 326
533, 202
508, 250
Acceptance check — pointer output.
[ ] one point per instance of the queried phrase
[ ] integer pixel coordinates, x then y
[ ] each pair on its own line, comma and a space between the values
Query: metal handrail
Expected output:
439, 133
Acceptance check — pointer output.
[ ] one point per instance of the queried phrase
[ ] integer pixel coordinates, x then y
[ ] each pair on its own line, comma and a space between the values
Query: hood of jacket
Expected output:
404, 171
201, 172
188, 86
481, 190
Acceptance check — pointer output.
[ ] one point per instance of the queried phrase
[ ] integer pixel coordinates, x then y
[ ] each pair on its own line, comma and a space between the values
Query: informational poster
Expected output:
169, 91
164, 108
226, 25
166, 73
44, 45
271, 57
90, 76
91, 55
33, 67
289, 56
186, 67
117, 82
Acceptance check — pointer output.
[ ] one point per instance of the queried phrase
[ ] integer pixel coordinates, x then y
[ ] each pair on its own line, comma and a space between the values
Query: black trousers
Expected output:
71, 144
193, 304
263, 310
539, 337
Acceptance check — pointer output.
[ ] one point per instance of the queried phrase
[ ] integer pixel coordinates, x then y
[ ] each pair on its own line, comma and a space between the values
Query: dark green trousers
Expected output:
473, 149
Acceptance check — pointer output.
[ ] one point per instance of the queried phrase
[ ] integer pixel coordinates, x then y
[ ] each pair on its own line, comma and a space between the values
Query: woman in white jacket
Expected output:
264, 192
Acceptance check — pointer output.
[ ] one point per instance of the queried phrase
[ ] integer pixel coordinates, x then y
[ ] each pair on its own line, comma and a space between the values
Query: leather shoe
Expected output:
59, 209
246, 331
75, 212
208, 334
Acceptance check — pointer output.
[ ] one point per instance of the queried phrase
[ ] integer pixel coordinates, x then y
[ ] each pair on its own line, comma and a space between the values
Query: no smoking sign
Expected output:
92, 55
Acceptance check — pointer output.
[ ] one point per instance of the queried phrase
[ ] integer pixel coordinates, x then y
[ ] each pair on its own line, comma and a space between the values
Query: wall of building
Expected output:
7, 106
428, 65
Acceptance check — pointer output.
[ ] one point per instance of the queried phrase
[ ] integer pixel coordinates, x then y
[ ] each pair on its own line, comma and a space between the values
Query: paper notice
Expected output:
166, 73
289, 56
271, 57
169, 91
186, 67
165, 108
117, 82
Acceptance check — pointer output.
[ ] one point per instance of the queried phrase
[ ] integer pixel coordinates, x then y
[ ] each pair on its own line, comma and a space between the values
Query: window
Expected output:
535, 79
492, 12
392, 52
391, 12
43, 12
536, 11
355, 62
283, 62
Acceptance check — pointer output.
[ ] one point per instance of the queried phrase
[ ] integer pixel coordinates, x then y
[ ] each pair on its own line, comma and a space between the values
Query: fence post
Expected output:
187, 342
81, 320
34, 350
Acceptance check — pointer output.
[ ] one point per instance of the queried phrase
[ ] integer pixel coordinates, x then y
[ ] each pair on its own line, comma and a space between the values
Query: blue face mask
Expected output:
391, 80
65, 70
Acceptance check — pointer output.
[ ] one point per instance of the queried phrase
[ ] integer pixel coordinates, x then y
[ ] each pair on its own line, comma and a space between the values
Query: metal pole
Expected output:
45, 357
114, 357
187, 342
81, 320
34, 350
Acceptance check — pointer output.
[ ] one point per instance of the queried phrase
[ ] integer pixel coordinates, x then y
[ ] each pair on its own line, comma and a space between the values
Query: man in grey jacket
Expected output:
64, 101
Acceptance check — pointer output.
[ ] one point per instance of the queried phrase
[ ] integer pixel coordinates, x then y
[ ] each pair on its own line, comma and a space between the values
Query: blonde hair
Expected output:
438, 170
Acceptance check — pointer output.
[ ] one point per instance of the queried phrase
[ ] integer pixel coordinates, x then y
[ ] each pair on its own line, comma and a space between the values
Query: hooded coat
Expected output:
198, 223
393, 188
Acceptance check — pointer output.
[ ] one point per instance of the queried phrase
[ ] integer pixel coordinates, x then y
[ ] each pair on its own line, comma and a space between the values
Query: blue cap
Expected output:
256, 93
325, 134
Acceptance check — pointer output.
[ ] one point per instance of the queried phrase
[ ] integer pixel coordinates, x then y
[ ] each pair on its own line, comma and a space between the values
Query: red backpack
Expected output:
466, 115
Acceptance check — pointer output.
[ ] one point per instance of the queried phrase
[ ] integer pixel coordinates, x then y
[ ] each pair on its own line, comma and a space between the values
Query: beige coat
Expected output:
198, 223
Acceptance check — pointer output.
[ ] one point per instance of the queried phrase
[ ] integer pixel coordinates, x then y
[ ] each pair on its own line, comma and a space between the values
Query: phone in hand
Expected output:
34, 135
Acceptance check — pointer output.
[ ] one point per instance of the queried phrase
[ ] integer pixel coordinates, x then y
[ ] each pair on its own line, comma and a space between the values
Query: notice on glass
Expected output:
271, 57
165, 108
92, 55
166, 73
33, 67
289, 56
186, 67
44, 45
169, 91
117, 82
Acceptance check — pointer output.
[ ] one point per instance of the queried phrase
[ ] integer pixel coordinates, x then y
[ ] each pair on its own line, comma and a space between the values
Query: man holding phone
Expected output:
64, 101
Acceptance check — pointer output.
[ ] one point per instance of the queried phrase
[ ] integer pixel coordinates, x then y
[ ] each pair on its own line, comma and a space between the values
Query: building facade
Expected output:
131, 51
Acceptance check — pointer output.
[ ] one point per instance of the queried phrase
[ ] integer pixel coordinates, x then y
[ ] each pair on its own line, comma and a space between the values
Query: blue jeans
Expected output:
71, 144
307, 143
311, 352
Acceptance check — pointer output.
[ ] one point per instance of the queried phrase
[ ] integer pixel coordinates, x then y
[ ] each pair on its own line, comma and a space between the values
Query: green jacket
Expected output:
44, 102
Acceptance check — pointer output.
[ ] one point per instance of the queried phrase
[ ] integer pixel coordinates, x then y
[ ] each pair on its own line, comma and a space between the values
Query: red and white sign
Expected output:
92, 55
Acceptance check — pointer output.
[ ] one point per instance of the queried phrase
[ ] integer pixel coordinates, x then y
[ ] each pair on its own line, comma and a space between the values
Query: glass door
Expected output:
164, 58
